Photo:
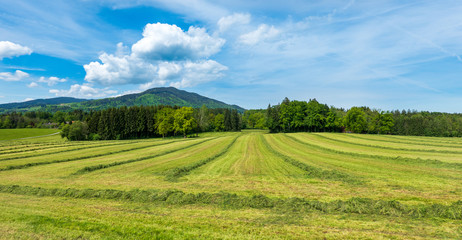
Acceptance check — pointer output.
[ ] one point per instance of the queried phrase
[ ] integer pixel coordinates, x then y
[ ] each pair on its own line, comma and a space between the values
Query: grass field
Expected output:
11, 134
249, 185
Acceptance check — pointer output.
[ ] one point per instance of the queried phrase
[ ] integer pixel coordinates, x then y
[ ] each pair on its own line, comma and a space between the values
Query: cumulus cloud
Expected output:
83, 91
166, 54
9, 49
186, 74
238, 18
16, 76
262, 33
114, 70
51, 81
199, 72
170, 43
32, 85
27, 99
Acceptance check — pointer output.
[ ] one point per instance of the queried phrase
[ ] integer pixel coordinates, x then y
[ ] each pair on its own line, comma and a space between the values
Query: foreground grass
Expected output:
11, 134
65, 218
233, 186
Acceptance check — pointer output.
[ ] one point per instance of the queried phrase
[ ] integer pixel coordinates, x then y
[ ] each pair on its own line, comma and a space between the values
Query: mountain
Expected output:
160, 96
155, 96
39, 103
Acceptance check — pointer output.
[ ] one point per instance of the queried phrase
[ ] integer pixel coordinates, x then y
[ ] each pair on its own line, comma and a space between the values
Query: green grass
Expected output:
249, 185
11, 134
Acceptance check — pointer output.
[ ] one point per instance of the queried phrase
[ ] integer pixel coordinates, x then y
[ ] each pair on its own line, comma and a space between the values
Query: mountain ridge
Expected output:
40, 102
154, 96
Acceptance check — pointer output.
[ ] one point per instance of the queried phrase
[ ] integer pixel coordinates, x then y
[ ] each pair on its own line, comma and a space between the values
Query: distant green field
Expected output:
249, 185
10, 134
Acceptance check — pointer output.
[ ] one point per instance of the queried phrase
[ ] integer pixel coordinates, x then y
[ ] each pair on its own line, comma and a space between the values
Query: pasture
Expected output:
16, 134
243, 185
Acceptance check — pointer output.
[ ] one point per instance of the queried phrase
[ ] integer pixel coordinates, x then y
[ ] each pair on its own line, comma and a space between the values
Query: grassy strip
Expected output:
313, 172
426, 139
28, 165
389, 148
113, 164
362, 206
45, 147
175, 173
431, 162
16, 145
68, 150
447, 145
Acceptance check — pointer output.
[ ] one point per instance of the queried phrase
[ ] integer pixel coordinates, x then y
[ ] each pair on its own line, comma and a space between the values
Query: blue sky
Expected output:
383, 54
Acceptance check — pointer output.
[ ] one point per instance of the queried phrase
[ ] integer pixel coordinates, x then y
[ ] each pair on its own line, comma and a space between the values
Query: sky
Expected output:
383, 54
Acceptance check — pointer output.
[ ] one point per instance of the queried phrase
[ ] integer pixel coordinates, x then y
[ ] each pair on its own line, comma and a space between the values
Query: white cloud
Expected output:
170, 43
122, 50
119, 70
51, 81
83, 91
9, 49
262, 33
199, 72
27, 99
186, 74
16, 76
238, 18
165, 55
32, 85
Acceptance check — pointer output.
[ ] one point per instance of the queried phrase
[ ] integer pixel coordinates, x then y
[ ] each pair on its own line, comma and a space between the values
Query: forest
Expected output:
288, 116
150, 121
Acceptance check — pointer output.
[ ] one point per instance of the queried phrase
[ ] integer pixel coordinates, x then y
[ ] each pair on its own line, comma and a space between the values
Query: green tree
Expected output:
383, 123
228, 120
235, 121
219, 122
164, 121
77, 131
286, 115
298, 114
316, 115
272, 118
184, 122
59, 117
355, 120
65, 131
203, 120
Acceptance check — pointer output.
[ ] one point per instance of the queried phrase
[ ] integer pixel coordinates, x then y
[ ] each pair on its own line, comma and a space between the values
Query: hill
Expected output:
155, 96
39, 103
159, 96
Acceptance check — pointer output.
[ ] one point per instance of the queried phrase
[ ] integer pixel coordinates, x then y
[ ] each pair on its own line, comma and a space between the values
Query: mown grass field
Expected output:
249, 185
11, 134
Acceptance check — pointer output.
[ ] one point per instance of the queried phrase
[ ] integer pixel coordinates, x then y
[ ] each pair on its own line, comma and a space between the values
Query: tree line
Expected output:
151, 121
288, 116
312, 116
39, 119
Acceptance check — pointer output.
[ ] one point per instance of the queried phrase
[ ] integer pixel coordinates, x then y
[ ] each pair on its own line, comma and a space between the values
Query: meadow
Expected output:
243, 185
16, 134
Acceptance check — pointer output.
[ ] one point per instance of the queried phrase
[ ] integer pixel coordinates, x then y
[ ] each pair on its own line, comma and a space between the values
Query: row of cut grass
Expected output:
363, 206
40, 147
398, 159
175, 173
105, 153
383, 146
325, 144
103, 166
313, 171
386, 139
67, 150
